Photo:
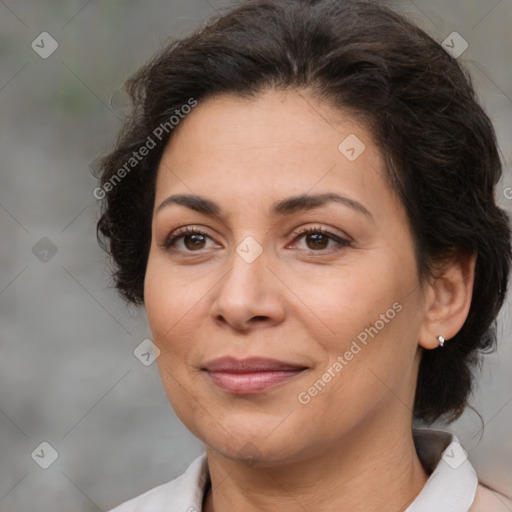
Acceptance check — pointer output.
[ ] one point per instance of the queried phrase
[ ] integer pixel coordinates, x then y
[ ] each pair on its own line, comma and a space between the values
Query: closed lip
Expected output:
250, 365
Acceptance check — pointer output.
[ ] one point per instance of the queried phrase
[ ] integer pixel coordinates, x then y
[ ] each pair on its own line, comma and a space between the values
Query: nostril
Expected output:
259, 318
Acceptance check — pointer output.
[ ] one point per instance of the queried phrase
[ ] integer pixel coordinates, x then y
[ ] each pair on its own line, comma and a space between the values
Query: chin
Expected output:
260, 446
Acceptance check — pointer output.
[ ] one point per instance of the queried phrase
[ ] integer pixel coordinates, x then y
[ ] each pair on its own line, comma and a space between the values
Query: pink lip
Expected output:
251, 375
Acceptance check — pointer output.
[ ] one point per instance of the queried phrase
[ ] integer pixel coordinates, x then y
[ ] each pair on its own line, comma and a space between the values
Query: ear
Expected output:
448, 299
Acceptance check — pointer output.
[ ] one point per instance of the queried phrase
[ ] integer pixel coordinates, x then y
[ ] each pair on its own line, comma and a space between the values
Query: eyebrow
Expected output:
282, 207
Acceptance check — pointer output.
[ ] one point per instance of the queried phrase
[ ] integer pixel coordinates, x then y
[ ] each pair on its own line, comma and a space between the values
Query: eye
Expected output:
192, 240
317, 239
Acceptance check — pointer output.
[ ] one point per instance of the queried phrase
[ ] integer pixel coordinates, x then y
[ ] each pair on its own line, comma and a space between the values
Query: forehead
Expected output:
272, 121
241, 150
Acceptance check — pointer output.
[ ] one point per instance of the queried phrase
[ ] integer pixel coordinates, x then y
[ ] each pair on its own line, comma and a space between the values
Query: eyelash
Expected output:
342, 242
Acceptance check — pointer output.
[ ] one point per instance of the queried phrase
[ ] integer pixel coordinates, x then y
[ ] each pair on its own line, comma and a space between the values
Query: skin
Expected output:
350, 448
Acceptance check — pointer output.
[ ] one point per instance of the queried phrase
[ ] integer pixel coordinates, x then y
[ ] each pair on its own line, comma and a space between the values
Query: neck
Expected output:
373, 469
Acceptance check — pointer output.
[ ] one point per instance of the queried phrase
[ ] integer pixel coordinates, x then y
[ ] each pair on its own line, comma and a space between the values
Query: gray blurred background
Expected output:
68, 373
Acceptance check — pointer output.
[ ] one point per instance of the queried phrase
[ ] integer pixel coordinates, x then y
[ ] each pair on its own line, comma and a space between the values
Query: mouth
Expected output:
251, 375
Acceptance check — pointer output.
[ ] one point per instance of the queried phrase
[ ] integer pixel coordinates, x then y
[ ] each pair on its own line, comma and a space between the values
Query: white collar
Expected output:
451, 486
453, 483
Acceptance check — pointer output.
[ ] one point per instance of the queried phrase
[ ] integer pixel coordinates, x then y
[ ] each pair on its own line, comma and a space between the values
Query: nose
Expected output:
248, 296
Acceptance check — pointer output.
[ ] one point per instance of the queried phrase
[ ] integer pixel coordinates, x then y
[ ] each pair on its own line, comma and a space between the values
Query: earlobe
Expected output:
448, 301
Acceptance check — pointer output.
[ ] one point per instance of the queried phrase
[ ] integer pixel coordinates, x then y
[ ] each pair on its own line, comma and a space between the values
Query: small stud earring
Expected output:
441, 341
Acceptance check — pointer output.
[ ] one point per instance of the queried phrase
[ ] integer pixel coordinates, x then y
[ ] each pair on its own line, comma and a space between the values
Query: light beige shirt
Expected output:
451, 486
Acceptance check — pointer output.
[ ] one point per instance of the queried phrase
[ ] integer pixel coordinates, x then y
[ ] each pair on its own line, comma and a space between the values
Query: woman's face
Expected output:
340, 305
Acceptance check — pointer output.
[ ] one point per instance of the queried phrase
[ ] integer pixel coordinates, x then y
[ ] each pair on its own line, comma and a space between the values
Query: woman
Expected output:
303, 201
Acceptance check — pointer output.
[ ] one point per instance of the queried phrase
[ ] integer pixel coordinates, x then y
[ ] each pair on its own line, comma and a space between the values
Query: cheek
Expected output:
176, 308
368, 317
347, 299
157, 299
172, 310
169, 297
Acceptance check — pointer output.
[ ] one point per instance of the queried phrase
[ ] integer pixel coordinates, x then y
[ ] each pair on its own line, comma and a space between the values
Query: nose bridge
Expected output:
245, 282
247, 290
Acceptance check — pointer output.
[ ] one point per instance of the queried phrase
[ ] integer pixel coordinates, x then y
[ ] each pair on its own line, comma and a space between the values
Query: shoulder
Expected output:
486, 499
182, 494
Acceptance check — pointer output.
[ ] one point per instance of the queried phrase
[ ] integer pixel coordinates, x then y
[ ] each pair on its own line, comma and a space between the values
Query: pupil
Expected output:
196, 240
317, 240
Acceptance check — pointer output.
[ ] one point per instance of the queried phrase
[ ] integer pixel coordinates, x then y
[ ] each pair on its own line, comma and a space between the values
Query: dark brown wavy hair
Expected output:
439, 145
